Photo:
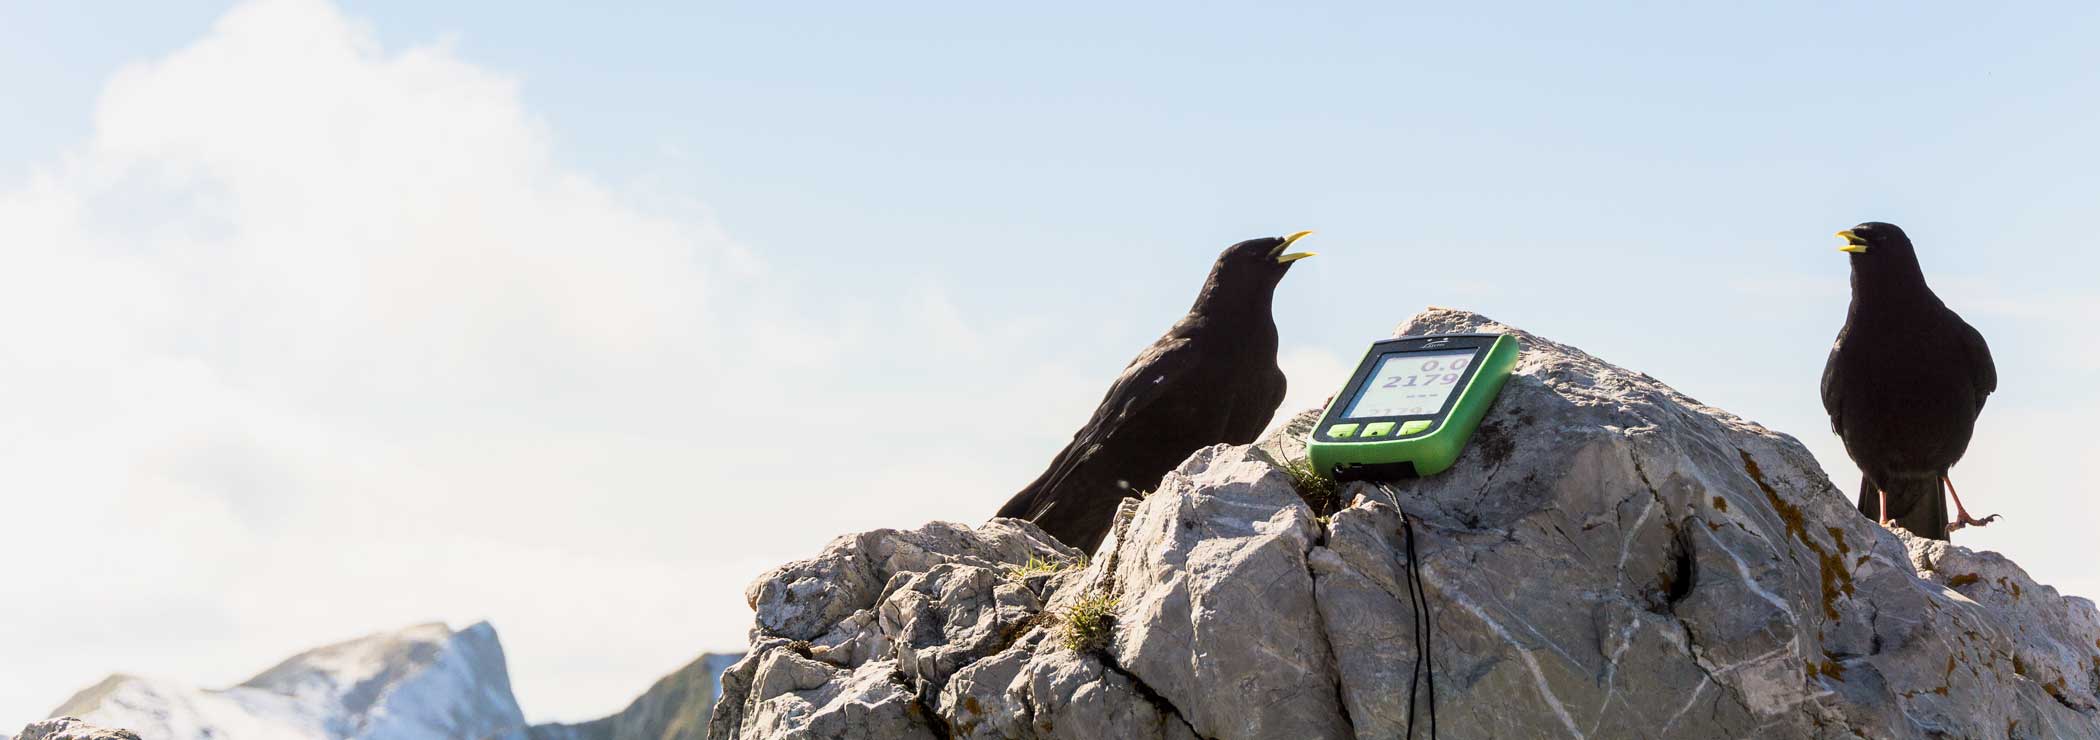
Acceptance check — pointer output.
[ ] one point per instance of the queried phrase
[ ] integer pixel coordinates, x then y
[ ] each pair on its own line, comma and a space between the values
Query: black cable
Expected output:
1425, 636
1417, 602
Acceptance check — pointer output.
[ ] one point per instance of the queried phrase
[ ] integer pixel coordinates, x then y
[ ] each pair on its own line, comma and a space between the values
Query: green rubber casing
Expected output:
1420, 453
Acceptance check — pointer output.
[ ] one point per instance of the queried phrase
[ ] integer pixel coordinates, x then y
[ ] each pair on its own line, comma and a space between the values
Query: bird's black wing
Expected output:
1983, 372
1143, 382
1251, 419
1834, 383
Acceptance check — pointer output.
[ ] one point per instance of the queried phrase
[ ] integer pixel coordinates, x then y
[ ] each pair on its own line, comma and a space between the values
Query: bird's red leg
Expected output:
1962, 518
1885, 520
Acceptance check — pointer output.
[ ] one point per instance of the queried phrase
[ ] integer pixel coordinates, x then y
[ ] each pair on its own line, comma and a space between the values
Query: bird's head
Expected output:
1257, 263
1876, 241
1881, 256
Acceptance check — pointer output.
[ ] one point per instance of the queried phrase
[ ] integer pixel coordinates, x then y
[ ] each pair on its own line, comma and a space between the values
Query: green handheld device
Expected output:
1411, 406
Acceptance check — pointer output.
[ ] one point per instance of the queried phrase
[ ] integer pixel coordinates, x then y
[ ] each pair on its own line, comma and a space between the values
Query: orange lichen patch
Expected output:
2056, 690
1720, 503
1946, 681
972, 710
1963, 580
1836, 579
1832, 668
2019, 666
2006, 585
1838, 536
1788, 513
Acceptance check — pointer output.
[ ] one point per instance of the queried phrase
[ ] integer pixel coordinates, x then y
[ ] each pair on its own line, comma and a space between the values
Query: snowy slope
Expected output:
422, 683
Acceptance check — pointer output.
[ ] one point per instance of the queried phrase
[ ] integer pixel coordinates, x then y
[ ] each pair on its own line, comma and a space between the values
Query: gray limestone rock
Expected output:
1609, 558
1213, 590
951, 616
1037, 692
801, 699
854, 640
804, 599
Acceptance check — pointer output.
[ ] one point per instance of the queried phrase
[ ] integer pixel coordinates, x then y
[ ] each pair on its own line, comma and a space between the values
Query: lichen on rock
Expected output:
1609, 558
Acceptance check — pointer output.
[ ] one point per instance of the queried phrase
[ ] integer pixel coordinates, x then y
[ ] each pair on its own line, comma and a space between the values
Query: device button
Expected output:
1378, 429
1342, 431
1414, 427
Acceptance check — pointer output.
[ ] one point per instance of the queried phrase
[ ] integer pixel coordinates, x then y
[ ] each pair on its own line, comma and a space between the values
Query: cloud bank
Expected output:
312, 338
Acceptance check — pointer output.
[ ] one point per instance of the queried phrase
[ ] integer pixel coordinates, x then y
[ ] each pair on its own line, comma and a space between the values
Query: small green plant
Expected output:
1086, 624
1318, 491
1040, 566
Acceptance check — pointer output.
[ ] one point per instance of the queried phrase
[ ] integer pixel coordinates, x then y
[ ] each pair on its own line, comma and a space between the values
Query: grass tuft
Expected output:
1039, 566
1319, 492
1086, 625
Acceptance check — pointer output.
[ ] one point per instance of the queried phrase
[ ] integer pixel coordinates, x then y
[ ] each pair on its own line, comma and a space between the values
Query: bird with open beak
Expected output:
1212, 378
1904, 385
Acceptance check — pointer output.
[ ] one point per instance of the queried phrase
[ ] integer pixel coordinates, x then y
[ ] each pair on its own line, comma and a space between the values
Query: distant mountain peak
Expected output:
425, 681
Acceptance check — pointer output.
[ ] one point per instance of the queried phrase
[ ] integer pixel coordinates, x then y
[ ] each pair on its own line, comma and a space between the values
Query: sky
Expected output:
321, 319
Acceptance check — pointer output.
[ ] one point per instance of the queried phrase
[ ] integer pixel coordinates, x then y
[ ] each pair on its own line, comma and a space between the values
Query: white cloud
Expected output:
1314, 374
313, 337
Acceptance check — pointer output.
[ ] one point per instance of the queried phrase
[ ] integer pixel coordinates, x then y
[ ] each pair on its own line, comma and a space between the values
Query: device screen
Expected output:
1411, 383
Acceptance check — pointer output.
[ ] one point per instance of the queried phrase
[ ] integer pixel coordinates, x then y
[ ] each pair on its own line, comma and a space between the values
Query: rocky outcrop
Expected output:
856, 642
72, 728
1609, 558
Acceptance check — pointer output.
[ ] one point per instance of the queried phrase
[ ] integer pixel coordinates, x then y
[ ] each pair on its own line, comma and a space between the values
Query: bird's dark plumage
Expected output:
1211, 379
1904, 383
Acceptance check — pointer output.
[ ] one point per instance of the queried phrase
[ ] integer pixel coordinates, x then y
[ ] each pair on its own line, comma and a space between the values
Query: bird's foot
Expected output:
1967, 521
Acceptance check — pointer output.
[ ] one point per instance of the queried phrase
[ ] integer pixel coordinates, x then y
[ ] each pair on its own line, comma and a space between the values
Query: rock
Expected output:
803, 600
951, 616
1214, 591
1029, 693
1609, 558
795, 697
854, 640
72, 728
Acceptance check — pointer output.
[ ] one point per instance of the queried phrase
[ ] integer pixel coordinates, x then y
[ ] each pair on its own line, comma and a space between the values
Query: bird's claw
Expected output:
1967, 521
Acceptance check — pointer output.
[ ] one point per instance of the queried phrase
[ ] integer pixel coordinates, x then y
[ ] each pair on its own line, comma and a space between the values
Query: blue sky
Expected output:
524, 289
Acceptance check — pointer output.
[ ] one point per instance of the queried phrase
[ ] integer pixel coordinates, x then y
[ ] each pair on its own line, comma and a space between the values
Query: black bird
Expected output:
1211, 379
1904, 384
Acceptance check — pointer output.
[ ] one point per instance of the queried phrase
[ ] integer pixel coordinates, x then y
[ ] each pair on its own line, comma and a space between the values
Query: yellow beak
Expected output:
1853, 243
1294, 256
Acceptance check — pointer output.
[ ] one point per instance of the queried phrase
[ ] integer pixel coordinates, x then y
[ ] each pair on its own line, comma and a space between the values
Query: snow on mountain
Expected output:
422, 683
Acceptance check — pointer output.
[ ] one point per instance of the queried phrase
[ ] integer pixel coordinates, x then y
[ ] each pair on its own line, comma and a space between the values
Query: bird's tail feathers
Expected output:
1916, 504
